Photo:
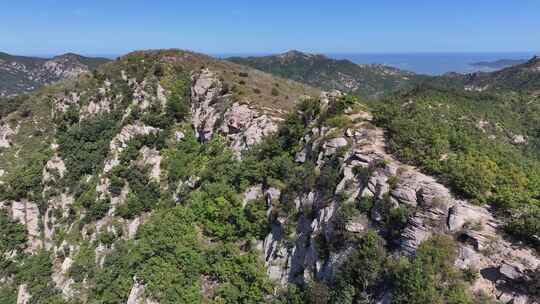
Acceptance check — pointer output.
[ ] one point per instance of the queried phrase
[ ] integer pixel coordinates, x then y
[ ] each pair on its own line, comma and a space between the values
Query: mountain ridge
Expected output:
168, 176
22, 74
366, 80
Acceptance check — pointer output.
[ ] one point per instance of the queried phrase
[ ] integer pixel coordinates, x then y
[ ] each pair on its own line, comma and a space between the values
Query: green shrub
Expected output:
12, 235
430, 277
179, 102
116, 185
84, 264
362, 271
97, 210
36, 270
84, 146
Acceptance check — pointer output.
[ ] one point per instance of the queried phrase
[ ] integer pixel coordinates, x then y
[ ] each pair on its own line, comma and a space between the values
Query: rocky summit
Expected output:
19, 74
173, 177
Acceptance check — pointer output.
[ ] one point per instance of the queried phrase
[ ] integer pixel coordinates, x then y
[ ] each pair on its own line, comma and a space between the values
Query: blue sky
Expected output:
242, 26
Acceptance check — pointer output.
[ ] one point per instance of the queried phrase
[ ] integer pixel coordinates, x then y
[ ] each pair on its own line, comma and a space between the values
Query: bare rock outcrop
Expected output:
27, 213
245, 127
121, 140
367, 170
206, 101
152, 158
6, 132
137, 296
23, 297
242, 125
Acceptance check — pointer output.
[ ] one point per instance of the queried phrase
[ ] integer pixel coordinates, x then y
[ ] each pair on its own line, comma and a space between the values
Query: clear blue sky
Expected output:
256, 26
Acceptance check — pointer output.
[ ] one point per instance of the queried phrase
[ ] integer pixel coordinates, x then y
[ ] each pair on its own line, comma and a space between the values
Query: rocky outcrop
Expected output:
213, 112
152, 158
62, 103
245, 127
60, 276
23, 297
206, 101
519, 139
137, 296
27, 213
368, 171
6, 132
121, 140
96, 107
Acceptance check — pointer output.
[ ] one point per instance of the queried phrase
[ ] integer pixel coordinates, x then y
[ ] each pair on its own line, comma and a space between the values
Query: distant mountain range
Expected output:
523, 77
20, 74
499, 64
367, 80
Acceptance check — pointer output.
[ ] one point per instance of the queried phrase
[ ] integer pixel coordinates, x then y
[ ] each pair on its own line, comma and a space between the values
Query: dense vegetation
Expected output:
467, 140
198, 241
520, 78
370, 81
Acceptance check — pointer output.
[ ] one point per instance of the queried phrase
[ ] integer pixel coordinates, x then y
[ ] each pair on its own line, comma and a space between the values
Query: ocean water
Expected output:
432, 63
421, 63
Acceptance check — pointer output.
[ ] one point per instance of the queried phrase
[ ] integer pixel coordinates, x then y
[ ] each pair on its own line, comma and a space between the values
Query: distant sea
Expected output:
432, 63
420, 63
423, 63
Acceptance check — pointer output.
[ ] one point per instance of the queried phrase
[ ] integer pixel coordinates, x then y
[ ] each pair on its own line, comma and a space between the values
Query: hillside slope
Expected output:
521, 78
19, 74
172, 177
369, 80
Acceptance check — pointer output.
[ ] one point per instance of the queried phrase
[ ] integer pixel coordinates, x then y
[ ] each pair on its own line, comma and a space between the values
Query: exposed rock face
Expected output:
136, 295
151, 157
120, 142
60, 201
519, 140
206, 98
62, 103
60, 277
53, 168
252, 193
242, 125
245, 127
96, 107
27, 213
22, 295
434, 211
5, 133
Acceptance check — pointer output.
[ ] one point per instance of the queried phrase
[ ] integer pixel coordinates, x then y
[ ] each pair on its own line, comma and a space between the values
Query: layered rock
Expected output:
120, 142
212, 112
434, 210
27, 213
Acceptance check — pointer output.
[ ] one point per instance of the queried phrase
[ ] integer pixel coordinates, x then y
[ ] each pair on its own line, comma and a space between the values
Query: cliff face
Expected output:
124, 155
432, 210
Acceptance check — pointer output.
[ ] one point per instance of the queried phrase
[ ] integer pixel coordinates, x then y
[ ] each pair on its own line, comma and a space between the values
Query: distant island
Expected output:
499, 64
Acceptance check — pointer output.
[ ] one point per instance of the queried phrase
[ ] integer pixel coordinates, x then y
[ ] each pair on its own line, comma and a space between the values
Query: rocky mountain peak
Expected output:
292, 54
21, 74
534, 63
